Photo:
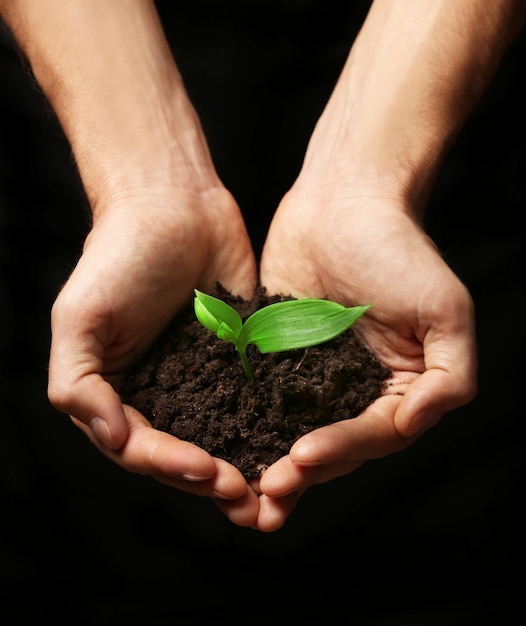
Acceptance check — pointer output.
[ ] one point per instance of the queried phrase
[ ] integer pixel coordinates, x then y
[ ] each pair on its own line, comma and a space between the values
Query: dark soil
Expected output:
192, 385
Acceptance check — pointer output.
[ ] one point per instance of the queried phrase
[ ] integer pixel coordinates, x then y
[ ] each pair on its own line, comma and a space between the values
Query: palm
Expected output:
136, 272
370, 251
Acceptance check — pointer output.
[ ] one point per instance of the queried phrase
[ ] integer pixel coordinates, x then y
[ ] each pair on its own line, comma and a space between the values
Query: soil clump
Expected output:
192, 385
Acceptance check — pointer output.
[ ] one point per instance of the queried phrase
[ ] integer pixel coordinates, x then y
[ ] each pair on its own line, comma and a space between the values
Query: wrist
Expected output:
372, 143
142, 135
109, 75
161, 151
412, 78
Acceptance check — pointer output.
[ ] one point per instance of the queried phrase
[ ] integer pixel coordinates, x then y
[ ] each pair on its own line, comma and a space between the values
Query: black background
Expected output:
432, 535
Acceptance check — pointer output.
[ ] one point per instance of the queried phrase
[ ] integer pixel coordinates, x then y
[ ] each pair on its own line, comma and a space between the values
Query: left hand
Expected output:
368, 249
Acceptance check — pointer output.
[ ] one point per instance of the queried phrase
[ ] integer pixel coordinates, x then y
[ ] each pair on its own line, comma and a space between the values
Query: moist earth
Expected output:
192, 385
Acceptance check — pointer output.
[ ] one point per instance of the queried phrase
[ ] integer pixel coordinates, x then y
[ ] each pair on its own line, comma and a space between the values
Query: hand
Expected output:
368, 249
144, 255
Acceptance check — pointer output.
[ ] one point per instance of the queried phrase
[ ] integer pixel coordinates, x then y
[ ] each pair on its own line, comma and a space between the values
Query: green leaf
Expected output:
217, 316
295, 324
225, 333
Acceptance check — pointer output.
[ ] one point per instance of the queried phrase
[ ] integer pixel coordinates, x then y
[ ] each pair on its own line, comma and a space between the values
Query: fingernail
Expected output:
101, 431
195, 478
221, 496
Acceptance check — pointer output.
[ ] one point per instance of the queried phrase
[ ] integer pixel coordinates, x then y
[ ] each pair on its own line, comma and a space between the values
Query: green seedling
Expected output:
277, 327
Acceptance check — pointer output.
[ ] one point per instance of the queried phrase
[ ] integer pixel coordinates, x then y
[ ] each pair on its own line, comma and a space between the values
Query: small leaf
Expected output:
217, 316
225, 333
293, 324
208, 320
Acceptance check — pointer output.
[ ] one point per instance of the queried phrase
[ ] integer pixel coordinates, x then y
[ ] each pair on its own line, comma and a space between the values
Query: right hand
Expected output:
140, 263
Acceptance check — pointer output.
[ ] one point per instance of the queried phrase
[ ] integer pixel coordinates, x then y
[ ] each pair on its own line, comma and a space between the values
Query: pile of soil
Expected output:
192, 385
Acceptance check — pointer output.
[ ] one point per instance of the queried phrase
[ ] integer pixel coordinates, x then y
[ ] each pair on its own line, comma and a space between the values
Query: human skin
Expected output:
163, 224
350, 227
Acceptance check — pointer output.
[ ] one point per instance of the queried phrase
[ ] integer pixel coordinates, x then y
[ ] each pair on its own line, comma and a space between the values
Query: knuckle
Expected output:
61, 397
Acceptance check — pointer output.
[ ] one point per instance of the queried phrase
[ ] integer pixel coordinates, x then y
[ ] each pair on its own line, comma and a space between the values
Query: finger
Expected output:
242, 511
149, 451
370, 435
290, 479
336, 450
226, 484
450, 380
273, 512
270, 513
282, 478
93, 401
436, 393
171, 461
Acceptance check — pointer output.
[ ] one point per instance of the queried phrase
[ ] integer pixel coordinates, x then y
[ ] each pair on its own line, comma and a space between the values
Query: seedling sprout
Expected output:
286, 325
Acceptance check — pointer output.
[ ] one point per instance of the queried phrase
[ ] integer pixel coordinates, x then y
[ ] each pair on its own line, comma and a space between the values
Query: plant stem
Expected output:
246, 366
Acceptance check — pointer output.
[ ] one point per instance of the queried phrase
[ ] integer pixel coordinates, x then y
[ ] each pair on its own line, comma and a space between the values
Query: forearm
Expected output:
414, 74
109, 75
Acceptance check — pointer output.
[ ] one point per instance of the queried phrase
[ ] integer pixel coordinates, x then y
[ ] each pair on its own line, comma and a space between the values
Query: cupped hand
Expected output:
369, 249
140, 263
